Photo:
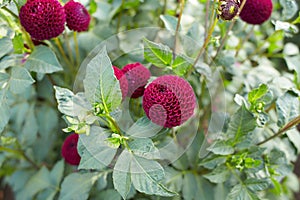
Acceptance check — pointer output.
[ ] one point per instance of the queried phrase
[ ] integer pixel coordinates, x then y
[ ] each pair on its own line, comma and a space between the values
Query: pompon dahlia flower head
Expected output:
69, 149
45, 19
254, 11
168, 101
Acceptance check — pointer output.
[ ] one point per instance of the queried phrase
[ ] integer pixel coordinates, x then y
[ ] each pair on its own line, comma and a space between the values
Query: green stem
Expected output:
61, 50
120, 16
289, 125
211, 30
21, 154
69, 47
182, 3
76, 49
227, 33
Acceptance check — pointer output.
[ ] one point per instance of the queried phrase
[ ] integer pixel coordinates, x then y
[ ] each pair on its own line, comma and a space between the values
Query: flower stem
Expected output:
182, 3
211, 30
76, 49
61, 50
69, 47
289, 125
227, 33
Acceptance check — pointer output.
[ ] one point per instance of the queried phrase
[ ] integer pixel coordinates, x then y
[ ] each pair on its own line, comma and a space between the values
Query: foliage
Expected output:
241, 142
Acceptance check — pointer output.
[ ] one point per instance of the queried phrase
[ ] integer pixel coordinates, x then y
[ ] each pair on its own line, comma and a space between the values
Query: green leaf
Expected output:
195, 187
241, 123
241, 192
100, 84
143, 128
218, 175
144, 148
77, 185
297, 20
182, 64
257, 184
290, 8
38, 182
94, 151
30, 128
287, 107
70, 104
6, 46
18, 43
221, 191
221, 148
121, 174
145, 176
109, 194
158, 54
173, 179
4, 110
170, 22
257, 93
4, 77
43, 60
57, 173
212, 162
20, 80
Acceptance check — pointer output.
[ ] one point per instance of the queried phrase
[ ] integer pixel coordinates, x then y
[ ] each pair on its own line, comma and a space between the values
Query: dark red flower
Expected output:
78, 18
256, 11
169, 101
69, 149
43, 19
122, 80
137, 76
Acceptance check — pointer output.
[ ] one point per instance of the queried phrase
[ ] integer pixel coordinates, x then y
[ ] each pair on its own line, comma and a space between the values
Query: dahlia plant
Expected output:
193, 100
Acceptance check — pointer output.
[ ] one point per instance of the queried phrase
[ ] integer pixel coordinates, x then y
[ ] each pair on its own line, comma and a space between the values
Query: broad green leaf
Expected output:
30, 127
121, 174
47, 194
290, 8
218, 175
69, 103
144, 148
145, 176
6, 46
57, 173
173, 179
257, 93
158, 54
94, 150
4, 77
78, 185
181, 65
241, 192
20, 80
100, 84
287, 107
241, 123
38, 182
18, 43
221, 148
279, 162
294, 137
221, 191
4, 110
143, 128
212, 162
170, 22
109, 194
195, 187
43, 60
297, 20
256, 184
